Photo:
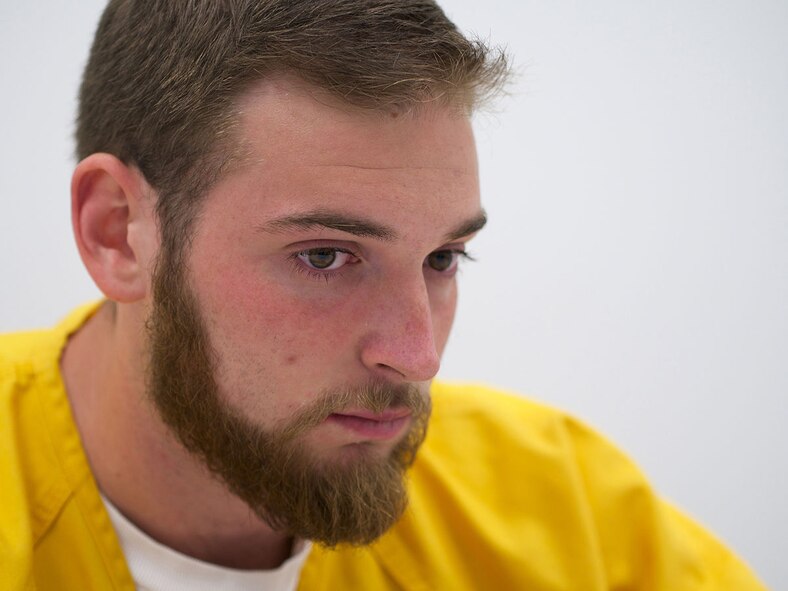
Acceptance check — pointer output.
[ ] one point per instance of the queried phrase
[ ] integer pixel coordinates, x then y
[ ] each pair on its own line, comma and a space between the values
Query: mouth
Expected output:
370, 425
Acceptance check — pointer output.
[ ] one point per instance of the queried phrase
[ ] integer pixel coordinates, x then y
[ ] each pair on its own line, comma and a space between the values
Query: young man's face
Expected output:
321, 278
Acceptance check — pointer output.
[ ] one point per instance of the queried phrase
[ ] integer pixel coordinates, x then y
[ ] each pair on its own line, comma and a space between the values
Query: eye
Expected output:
445, 261
324, 258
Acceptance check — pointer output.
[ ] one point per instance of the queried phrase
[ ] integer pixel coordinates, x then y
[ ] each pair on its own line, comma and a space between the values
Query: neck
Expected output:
139, 465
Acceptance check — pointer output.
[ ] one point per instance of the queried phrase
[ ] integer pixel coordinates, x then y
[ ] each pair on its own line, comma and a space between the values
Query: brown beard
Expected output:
353, 501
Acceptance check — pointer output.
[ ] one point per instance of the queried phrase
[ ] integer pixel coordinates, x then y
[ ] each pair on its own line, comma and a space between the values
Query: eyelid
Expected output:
459, 248
459, 245
304, 245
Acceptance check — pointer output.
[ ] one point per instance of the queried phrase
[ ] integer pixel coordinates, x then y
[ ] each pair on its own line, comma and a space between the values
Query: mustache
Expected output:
375, 396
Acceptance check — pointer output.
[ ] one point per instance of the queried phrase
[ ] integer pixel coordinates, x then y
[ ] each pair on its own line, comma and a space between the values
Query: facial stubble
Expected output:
272, 471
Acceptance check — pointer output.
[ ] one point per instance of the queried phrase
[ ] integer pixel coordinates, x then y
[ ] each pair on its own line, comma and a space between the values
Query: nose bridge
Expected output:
401, 333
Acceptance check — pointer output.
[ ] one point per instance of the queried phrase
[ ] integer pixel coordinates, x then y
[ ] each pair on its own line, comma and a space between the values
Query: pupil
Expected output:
440, 261
322, 258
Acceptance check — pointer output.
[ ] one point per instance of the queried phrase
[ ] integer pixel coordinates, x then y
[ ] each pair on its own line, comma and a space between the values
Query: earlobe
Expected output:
107, 198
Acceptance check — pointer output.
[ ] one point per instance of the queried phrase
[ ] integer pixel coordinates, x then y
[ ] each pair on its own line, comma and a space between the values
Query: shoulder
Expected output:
476, 424
52, 522
35, 349
24, 361
30, 384
468, 417
19, 349
501, 477
27, 465
35, 426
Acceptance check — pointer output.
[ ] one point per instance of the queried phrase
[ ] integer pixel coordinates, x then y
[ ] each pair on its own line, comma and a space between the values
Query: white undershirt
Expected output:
155, 567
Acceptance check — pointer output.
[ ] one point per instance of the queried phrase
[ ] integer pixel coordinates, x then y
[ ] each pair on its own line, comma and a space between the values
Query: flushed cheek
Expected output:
250, 321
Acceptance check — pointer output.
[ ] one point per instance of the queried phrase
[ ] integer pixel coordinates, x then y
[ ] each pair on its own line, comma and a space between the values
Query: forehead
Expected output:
280, 116
301, 148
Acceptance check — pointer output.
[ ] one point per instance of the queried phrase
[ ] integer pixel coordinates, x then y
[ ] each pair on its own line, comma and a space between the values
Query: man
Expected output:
274, 198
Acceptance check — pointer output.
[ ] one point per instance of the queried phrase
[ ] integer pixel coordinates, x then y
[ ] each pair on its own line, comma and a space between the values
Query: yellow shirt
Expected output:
505, 494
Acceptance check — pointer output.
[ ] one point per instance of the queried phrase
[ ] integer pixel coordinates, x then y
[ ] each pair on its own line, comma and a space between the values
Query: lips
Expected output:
371, 425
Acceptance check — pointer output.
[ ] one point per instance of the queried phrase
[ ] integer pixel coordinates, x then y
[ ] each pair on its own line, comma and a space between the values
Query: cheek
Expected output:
257, 322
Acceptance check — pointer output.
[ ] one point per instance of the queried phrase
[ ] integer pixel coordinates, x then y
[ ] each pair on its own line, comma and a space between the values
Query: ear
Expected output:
114, 225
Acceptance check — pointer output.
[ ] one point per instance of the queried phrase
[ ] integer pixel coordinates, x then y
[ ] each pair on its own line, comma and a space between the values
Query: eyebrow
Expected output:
358, 226
331, 220
468, 227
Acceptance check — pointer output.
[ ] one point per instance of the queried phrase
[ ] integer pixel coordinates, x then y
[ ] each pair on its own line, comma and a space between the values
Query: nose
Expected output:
399, 343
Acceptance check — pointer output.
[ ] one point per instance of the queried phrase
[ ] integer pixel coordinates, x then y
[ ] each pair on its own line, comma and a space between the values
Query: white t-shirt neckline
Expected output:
156, 567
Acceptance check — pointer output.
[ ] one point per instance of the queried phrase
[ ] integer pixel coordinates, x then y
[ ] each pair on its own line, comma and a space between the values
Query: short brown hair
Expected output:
162, 77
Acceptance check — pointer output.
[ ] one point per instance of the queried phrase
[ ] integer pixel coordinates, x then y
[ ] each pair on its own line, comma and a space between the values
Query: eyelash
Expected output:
463, 255
326, 276
314, 274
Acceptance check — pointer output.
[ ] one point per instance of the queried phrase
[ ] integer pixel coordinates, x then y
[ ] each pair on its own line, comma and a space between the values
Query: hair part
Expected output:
163, 77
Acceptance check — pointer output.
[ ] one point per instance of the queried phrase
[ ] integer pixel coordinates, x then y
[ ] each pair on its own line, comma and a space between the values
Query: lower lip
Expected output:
370, 429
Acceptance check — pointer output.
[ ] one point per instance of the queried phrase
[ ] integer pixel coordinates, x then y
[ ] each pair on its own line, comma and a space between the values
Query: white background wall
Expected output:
635, 269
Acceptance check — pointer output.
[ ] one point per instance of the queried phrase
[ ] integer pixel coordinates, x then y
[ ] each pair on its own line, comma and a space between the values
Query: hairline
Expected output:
231, 153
